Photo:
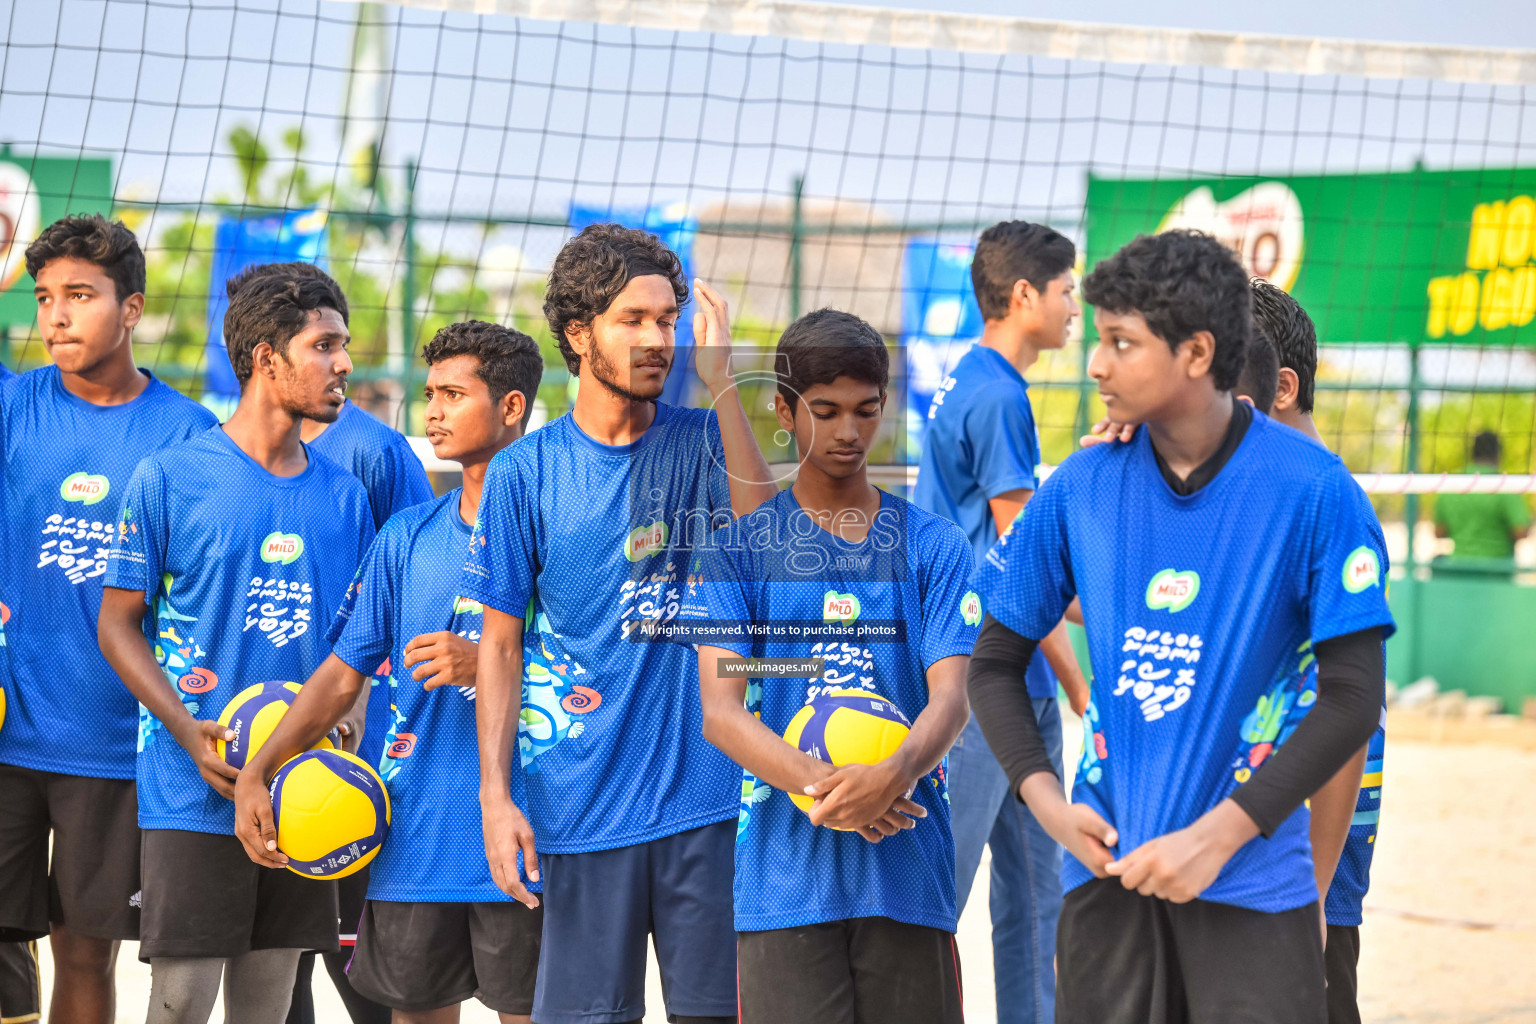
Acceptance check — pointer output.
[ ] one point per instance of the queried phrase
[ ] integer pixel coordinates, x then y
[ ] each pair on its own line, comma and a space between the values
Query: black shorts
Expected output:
868, 970
93, 881
351, 894
1122, 957
21, 995
423, 956
203, 896
1341, 960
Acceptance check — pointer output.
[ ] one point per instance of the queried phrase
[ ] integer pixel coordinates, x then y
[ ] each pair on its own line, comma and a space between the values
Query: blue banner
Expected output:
676, 226
296, 237
939, 316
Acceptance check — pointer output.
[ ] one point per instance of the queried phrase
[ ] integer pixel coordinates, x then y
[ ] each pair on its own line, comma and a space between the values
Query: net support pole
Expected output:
796, 235
408, 293
1411, 515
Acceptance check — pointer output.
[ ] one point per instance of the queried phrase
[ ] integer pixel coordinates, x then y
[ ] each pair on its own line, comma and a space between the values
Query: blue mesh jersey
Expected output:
408, 586
382, 459
1198, 608
243, 571
981, 442
67, 465
913, 568
585, 541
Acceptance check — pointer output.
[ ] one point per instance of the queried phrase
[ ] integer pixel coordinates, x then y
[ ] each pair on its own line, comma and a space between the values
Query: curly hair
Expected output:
593, 268
826, 344
92, 238
1180, 282
1013, 251
271, 302
509, 360
1295, 336
1260, 379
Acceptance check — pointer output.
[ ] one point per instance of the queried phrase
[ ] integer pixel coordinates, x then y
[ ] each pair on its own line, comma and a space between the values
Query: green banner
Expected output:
1418, 257
35, 191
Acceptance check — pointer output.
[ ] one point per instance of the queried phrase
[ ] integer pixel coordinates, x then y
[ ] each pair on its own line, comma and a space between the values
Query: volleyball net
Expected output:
435, 154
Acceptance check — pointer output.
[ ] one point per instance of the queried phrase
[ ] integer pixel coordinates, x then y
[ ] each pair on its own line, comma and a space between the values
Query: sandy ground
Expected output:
1450, 924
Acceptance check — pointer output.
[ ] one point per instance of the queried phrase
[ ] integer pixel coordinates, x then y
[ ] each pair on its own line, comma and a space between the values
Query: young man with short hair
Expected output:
980, 459
436, 929
1198, 612
1345, 812
72, 434
852, 921
380, 457
586, 530
233, 551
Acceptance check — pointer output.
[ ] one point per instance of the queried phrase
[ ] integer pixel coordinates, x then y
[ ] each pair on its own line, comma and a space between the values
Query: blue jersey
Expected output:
67, 466
1352, 879
243, 571
408, 586
981, 442
382, 459
585, 541
911, 574
1199, 610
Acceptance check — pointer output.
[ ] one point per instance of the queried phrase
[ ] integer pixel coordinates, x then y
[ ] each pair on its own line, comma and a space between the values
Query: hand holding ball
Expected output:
846, 726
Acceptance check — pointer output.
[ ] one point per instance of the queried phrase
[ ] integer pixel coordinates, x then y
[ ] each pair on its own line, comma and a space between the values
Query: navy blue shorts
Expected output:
599, 909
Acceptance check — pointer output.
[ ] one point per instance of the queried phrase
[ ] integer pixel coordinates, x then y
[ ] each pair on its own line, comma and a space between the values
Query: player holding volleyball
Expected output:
71, 434
436, 929
233, 551
1233, 544
855, 925
585, 531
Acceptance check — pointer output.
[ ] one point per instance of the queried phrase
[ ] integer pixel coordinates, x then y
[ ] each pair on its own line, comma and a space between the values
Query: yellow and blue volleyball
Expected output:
253, 713
2, 707
846, 726
331, 812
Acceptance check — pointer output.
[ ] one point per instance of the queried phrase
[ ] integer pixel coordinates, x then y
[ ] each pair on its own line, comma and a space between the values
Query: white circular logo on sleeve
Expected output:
1361, 570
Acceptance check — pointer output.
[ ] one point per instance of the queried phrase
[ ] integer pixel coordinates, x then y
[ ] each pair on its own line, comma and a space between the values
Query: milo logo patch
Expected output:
282, 547
970, 609
1362, 571
87, 488
837, 607
1173, 590
645, 541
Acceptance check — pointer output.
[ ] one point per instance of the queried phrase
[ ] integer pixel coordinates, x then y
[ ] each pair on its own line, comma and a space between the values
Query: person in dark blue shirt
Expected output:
71, 434
1186, 592
585, 532
844, 911
436, 929
233, 551
980, 464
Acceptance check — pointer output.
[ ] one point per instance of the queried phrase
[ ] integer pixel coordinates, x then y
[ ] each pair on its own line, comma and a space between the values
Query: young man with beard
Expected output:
1184, 591
233, 551
854, 921
585, 531
72, 434
979, 468
436, 930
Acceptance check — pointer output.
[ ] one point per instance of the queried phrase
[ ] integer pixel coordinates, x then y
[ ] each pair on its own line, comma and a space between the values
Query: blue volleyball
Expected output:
331, 812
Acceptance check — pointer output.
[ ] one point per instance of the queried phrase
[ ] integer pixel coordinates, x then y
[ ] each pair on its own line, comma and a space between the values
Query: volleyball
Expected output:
253, 714
846, 726
331, 812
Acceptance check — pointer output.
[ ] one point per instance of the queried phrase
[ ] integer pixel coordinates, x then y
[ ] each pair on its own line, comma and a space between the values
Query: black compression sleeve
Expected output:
1351, 681
1002, 705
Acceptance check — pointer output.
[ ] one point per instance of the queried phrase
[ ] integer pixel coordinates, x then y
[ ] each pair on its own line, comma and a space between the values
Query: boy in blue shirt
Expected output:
861, 927
72, 434
233, 550
585, 531
1187, 593
1345, 813
435, 929
978, 469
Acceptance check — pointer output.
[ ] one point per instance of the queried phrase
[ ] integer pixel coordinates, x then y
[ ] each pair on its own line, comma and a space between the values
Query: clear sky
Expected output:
1502, 23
